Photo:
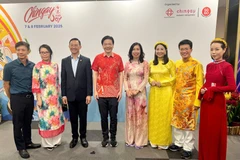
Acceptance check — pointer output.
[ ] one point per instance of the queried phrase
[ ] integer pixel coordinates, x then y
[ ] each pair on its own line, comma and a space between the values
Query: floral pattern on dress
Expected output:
46, 82
136, 77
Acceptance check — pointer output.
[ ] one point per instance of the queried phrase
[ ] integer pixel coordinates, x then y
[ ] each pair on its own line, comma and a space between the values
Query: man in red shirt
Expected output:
107, 83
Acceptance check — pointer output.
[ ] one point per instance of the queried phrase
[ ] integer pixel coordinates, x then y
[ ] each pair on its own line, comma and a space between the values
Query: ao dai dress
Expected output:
213, 116
136, 129
160, 103
51, 119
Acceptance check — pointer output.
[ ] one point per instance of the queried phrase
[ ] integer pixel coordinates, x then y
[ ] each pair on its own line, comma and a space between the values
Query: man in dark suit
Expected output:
76, 77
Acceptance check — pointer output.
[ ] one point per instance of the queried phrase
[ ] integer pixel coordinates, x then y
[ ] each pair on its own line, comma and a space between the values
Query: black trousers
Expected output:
22, 109
78, 109
108, 105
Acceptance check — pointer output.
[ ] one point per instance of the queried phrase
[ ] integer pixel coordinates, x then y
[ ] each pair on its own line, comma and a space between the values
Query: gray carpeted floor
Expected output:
95, 151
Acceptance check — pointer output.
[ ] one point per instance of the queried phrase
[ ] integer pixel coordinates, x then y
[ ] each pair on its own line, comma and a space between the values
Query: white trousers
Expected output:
184, 138
50, 142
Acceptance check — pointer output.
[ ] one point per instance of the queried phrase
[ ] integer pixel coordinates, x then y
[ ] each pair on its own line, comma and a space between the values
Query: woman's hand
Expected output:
39, 103
203, 90
129, 93
158, 84
135, 92
153, 83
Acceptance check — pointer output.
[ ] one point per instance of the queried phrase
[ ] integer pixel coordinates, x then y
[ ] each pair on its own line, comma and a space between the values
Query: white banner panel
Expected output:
144, 21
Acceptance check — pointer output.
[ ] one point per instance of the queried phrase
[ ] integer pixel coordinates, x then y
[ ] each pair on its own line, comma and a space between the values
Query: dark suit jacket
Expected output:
80, 86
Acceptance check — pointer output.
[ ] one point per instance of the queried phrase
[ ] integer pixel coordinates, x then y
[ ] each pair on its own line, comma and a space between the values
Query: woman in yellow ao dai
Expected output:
161, 79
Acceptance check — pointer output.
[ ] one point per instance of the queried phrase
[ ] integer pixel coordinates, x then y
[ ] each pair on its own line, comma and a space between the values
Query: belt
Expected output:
27, 95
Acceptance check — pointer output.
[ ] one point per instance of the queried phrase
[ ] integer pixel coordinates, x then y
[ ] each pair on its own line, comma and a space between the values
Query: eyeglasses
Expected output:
44, 52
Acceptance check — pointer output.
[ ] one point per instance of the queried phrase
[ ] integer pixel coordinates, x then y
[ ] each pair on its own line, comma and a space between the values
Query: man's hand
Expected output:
9, 104
96, 96
64, 100
88, 99
119, 95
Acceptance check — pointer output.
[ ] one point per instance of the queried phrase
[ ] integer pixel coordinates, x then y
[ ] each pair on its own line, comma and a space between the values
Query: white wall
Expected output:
143, 21
127, 21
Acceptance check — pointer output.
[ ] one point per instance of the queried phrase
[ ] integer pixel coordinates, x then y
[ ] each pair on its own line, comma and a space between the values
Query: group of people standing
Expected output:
177, 91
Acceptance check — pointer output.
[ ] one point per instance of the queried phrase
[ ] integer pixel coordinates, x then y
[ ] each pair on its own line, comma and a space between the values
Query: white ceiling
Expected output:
222, 3
33, 1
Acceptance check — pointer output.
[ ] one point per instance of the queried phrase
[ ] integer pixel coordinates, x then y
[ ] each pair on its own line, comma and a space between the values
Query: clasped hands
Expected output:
203, 90
155, 83
132, 92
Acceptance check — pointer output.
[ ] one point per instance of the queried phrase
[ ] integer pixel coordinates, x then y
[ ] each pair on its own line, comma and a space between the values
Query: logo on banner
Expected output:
169, 12
180, 13
52, 13
206, 12
186, 12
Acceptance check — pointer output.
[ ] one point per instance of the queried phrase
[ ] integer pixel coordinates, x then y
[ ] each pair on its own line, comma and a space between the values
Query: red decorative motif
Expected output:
52, 13
206, 11
169, 12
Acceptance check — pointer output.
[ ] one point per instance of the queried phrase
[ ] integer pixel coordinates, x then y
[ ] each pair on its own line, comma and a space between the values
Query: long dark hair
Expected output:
141, 57
165, 57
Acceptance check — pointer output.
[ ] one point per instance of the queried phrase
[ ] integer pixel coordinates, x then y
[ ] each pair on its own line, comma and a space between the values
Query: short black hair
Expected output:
48, 48
141, 57
107, 37
185, 41
22, 43
75, 39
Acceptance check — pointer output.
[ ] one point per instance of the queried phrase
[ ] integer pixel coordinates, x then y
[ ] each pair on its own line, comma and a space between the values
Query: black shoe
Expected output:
24, 154
84, 142
174, 148
73, 143
105, 142
186, 154
113, 143
33, 146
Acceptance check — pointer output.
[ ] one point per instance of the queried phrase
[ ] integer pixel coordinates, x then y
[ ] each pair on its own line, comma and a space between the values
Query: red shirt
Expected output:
108, 68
